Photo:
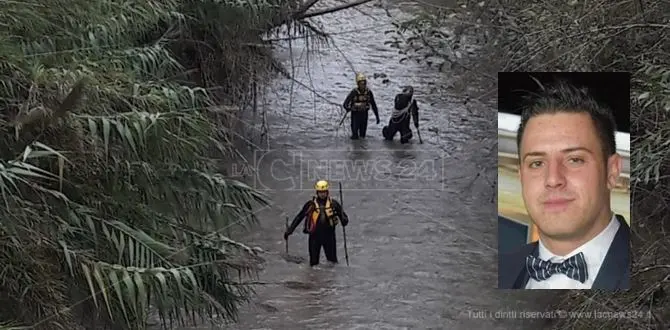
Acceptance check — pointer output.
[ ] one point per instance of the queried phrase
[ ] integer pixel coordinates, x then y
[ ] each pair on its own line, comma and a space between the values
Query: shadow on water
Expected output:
404, 151
358, 150
422, 228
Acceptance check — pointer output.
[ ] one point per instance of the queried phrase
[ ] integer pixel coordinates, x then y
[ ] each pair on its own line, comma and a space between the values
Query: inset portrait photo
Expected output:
564, 180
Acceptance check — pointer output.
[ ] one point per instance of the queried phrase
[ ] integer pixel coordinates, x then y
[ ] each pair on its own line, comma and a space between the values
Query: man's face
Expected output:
322, 194
565, 179
362, 84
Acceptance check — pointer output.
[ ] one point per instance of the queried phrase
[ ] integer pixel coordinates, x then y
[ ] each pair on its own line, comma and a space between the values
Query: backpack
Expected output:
402, 101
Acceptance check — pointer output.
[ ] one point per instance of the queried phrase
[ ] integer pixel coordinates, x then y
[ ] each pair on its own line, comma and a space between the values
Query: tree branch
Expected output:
301, 13
332, 9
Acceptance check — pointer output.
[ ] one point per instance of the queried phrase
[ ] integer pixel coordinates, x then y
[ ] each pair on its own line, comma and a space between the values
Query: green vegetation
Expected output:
113, 205
577, 36
112, 200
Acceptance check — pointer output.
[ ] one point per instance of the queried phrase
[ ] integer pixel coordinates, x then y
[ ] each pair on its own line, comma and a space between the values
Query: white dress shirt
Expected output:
594, 251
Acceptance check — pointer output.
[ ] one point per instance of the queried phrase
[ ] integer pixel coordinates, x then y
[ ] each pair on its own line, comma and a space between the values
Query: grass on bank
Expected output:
110, 204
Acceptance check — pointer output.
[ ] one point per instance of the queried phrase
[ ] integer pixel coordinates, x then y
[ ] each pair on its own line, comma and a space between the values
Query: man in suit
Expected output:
568, 166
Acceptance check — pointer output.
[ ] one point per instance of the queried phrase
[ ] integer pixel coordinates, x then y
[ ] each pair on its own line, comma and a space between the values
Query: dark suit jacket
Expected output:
614, 274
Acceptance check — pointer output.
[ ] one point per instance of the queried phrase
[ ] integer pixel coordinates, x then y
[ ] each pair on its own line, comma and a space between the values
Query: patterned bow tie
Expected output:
573, 267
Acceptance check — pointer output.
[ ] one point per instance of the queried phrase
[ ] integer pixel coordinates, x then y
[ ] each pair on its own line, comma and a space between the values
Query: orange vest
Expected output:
361, 100
316, 212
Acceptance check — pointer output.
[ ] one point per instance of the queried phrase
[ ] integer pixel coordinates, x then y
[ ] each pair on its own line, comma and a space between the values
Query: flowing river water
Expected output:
422, 235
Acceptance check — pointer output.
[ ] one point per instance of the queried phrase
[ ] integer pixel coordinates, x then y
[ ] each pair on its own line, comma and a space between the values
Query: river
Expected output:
422, 236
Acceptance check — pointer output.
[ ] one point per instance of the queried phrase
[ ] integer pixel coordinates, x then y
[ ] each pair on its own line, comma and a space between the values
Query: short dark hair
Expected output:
563, 97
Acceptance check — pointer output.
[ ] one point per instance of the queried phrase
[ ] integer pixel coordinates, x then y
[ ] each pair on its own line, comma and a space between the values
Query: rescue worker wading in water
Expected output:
358, 102
321, 215
405, 107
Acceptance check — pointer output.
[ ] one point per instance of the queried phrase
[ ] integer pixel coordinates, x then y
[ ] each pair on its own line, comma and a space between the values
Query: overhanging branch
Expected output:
332, 9
301, 13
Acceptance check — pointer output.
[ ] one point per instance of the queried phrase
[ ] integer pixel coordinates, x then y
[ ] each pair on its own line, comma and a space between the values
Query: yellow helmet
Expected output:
321, 185
360, 77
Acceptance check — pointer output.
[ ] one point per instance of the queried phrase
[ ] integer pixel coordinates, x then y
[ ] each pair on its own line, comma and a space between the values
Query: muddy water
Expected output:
423, 230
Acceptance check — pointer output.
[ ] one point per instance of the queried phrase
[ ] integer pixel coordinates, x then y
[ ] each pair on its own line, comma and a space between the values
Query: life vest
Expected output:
361, 100
316, 213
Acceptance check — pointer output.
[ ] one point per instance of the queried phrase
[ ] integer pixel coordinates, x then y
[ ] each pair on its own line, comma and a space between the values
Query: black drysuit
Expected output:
323, 234
359, 103
405, 107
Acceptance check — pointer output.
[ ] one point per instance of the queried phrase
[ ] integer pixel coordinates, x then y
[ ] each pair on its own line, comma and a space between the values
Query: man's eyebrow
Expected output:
565, 151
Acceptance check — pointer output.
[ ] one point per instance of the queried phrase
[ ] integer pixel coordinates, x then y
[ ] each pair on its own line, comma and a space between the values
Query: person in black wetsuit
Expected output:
321, 214
405, 107
358, 102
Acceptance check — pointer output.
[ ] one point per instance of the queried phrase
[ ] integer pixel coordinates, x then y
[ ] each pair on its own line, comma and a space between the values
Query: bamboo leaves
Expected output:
130, 289
137, 129
16, 173
90, 198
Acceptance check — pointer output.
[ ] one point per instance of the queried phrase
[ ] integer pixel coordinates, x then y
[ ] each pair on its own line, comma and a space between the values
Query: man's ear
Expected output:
614, 166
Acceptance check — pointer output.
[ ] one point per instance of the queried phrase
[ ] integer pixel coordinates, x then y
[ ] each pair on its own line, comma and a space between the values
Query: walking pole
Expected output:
419, 134
344, 231
286, 241
342, 120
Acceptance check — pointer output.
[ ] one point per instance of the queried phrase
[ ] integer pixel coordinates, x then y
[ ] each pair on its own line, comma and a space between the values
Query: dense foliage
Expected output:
484, 37
111, 204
